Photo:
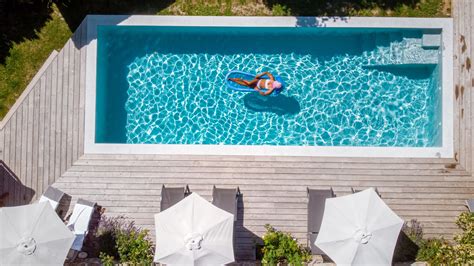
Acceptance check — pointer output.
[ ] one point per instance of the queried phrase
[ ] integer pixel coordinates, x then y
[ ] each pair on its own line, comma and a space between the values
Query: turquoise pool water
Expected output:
345, 87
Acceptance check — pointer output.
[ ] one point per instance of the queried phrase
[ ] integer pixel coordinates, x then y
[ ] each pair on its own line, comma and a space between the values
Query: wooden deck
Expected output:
41, 140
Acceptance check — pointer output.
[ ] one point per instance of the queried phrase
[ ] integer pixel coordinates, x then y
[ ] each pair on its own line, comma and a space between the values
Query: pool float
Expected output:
249, 76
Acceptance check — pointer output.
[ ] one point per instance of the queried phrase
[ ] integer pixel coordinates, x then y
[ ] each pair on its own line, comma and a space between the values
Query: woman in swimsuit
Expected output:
259, 83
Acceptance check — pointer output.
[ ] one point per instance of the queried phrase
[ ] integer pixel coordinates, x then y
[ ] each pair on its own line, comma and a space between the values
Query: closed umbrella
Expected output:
194, 232
359, 229
33, 235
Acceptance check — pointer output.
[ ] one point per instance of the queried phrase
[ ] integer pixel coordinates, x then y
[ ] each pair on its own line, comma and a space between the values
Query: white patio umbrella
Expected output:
194, 232
33, 235
359, 229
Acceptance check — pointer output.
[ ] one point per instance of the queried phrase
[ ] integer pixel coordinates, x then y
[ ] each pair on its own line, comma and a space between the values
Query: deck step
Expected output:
431, 41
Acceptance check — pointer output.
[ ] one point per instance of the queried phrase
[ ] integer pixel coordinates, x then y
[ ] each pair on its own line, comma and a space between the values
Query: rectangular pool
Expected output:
350, 87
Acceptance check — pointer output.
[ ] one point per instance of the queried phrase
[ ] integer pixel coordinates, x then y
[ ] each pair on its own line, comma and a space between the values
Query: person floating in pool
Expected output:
264, 86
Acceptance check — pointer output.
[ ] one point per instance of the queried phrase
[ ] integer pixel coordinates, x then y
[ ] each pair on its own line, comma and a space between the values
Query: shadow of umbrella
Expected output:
12, 191
280, 105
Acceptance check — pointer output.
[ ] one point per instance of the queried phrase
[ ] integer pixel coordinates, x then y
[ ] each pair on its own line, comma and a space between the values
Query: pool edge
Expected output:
445, 24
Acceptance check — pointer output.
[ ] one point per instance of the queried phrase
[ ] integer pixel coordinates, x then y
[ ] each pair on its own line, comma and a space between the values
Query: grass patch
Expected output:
26, 57
217, 8
398, 8
426, 8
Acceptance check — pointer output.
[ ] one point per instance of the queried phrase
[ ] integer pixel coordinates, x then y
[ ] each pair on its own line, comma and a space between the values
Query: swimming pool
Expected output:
376, 87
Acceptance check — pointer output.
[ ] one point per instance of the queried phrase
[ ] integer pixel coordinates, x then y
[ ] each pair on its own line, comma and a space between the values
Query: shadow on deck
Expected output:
12, 191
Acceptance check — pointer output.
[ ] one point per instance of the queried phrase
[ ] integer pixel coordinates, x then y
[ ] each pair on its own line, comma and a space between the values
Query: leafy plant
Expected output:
414, 231
464, 249
106, 260
461, 252
280, 10
435, 251
280, 247
135, 247
465, 222
120, 239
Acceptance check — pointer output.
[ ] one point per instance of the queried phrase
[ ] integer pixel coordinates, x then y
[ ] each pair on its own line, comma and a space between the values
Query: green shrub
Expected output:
282, 247
120, 239
461, 252
135, 247
464, 249
414, 231
280, 10
435, 251
106, 260
465, 222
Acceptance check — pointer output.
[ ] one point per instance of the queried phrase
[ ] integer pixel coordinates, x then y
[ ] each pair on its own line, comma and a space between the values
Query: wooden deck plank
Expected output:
268, 176
469, 96
458, 30
456, 53
110, 186
41, 126
59, 114
7, 140
466, 84
53, 116
17, 165
24, 140
77, 74
342, 161
227, 162
12, 143
237, 171
70, 105
2, 145
64, 112
13, 152
82, 85
19, 122
35, 137
46, 128
462, 74
29, 145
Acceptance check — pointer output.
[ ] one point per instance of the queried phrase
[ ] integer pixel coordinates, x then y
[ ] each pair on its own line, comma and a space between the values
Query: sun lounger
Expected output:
316, 201
470, 205
172, 195
359, 190
53, 196
226, 199
79, 222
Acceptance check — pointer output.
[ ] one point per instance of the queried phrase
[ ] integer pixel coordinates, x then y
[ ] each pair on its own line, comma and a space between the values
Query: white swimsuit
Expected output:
267, 82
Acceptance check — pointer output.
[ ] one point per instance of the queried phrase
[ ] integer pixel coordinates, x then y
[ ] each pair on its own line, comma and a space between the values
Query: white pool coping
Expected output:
445, 24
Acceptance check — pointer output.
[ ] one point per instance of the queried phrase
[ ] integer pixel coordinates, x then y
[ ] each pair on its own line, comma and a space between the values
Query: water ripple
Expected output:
329, 101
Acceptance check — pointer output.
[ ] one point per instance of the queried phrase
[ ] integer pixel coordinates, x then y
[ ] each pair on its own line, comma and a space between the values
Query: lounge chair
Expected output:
470, 205
226, 199
172, 195
79, 222
53, 196
316, 202
359, 190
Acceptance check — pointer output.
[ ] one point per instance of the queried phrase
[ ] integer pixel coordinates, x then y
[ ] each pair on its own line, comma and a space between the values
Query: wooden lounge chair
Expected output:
226, 199
316, 202
359, 190
172, 195
470, 204
79, 222
53, 196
